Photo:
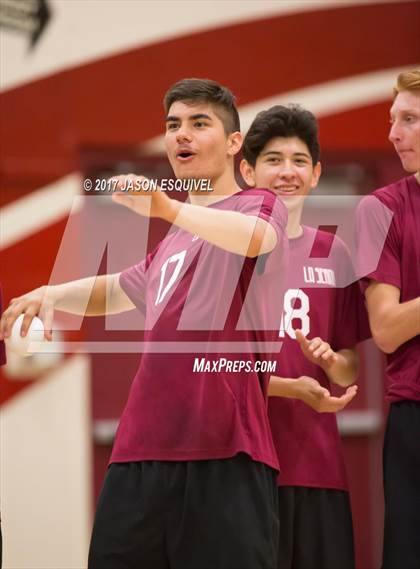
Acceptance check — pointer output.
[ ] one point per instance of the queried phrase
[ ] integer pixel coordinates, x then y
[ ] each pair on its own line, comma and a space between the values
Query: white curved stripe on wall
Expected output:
38, 210
333, 96
80, 31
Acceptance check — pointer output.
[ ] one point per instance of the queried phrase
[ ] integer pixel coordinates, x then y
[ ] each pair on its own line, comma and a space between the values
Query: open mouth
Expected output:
185, 155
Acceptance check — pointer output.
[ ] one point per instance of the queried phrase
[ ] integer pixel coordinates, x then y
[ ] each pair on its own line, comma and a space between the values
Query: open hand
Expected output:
34, 303
150, 203
316, 350
319, 398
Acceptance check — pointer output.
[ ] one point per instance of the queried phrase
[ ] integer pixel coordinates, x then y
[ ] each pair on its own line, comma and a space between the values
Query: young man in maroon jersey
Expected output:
281, 152
392, 292
192, 477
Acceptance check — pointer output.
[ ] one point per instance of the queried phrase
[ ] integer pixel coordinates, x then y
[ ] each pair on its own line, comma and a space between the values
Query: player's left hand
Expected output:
316, 350
150, 203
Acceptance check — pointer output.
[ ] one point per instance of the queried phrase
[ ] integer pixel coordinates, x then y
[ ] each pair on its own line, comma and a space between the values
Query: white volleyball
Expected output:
20, 345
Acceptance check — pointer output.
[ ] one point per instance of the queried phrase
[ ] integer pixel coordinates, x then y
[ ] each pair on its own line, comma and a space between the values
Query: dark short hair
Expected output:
206, 91
285, 122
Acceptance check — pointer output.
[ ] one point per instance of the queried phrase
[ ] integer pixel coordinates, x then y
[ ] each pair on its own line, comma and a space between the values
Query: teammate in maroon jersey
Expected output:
281, 152
392, 294
192, 480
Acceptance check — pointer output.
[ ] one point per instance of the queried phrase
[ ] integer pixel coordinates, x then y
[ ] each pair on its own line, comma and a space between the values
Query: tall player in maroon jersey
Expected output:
281, 152
392, 294
192, 480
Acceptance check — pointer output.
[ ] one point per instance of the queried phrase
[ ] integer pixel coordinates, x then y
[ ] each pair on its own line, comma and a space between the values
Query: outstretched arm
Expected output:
230, 230
92, 296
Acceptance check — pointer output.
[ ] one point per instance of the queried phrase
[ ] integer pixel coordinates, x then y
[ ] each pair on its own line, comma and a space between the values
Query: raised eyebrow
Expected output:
393, 114
200, 116
171, 118
272, 153
295, 155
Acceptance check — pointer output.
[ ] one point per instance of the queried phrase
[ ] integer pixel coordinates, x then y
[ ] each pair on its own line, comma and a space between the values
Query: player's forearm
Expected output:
85, 297
345, 369
395, 324
230, 230
283, 387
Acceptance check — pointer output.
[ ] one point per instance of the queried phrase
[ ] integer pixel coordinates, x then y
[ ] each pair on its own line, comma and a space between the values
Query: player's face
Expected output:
196, 142
285, 167
405, 129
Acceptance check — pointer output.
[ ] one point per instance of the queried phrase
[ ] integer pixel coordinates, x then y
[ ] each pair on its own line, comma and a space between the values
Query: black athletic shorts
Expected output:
316, 530
207, 514
401, 461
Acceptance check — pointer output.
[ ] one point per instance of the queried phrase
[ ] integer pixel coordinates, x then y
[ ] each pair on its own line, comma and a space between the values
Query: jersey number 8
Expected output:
292, 312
